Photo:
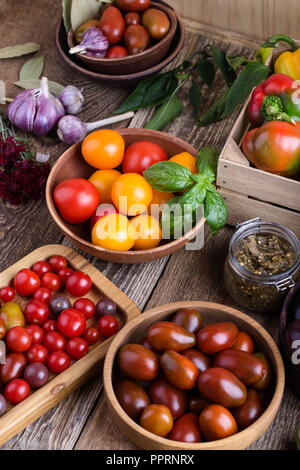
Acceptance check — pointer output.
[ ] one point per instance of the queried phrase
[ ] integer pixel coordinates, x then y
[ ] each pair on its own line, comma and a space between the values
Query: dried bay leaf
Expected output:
18, 50
35, 83
66, 13
84, 10
32, 68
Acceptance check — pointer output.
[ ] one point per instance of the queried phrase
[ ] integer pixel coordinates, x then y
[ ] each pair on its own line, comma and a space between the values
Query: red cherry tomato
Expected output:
7, 294
85, 306
140, 155
71, 323
77, 348
41, 267
37, 353
63, 273
26, 282
57, 262
78, 284
58, 361
42, 294
116, 52
92, 335
36, 333
16, 391
54, 341
51, 281
49, 325
36, 312
108, 325
18, 339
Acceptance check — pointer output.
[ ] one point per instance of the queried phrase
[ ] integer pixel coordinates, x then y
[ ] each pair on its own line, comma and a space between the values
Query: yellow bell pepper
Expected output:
288, 62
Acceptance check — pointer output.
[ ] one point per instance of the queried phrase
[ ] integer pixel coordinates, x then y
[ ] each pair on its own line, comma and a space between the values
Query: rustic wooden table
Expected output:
82, 421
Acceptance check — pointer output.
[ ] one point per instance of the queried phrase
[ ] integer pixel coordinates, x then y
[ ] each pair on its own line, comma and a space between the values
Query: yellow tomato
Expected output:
103, 181
185, 159
114, 232
103, 149
12, 315
147, 230
158, 202
131, 194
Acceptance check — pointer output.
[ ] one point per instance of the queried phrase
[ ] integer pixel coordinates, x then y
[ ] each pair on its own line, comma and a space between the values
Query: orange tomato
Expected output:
159, 199
148, 232
103, 181
185, 159
114, 232
131, 194
103, 149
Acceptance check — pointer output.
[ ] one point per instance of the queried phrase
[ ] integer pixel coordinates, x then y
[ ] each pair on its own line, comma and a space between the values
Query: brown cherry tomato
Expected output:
132, 18
216, 422
83, 28
244, 342
179, 370
132, 398
221, 386
156, 22
247, 367
189, 319
2, 328
266, 380
138, 362
249, 411
163, 393
157, 419
116, 52
165, 335
133, 5
201, 361
136, 39
14, 365
186, 429
112, 25
196, 403
217, 337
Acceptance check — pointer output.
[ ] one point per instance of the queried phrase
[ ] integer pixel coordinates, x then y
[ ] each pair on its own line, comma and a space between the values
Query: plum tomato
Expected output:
58, 361
76, 199
58, 304
186, 429
201, 361
13, 367
179, 370
248, 368
187, 160
108, 326
141, 155
78, 284
131, 194
138, 362
244, 342
103, 149
3, 405
249, 411
157, 419
102, 211
106, 306
71, 323
16, 391
156, 22
217, 337
36, 312
163, 392
42, 294
196, 403
49, 325
189, 318
51, 281
77, 348
18, 339
116, 52
132, 17
133, 5
92, 335
63, 273
85, 306
41, 267
36, 333
26, 282
113, 232
12, 315
57, 262
103, 181
216, 422
148, 233
265, 381
166, 335
36, 374
136, 39
132, 398
7, 294
144, 342
112, 24
37, 353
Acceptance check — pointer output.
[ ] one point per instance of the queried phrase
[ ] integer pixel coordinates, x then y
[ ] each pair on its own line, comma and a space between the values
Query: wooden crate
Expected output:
250, 192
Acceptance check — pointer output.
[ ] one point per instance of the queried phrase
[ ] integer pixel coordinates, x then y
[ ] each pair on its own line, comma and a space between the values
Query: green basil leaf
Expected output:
252, 75
169, 110
215, 112
195, 96
222, 63
176, 219
194, 197
18, 50
32, 68
207, 163
168, 177
215, 211
206, 71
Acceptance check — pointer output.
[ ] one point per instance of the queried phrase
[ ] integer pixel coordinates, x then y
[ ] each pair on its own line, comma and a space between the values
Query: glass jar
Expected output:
260, 292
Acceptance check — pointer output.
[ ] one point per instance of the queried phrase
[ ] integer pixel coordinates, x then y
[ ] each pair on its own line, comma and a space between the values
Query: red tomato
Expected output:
71, 323
26, 282
36, 333
85, 306
7, 294
49, 325
37, 353
112, 24
57, 262
140, 155
63, 273
76, 199
36, 312
77, 348
41, 267
116, 52
78, 284
18, 339
108, 326
92, 335
16, 391
42, 294
51, 281
102, 211
58, 361
54, 341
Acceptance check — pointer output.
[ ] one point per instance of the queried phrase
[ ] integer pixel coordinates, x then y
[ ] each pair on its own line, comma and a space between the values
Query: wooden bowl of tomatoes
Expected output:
193, 376
80, 188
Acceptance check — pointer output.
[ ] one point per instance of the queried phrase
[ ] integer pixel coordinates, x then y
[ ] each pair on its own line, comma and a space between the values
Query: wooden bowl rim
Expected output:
58, 220
255, 428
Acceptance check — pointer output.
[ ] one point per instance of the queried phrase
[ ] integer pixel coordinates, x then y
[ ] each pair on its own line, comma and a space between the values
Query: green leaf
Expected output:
215, 112
236, 61
66, 6
252, 75
222, 63
176, 219
54, 87
206, 71
195, 96
32, 68
18, 50
215, 211
194, 197
168, 177
169, 110
207, 163
84, 10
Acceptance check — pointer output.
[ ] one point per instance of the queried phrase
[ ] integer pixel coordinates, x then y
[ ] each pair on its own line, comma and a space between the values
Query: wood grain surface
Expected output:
82, 421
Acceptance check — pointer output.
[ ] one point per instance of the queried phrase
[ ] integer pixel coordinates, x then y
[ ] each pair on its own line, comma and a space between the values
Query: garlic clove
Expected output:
21, 112
72, 99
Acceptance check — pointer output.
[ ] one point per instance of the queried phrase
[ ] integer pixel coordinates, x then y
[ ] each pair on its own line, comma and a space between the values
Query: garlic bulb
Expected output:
94, 43
72, 99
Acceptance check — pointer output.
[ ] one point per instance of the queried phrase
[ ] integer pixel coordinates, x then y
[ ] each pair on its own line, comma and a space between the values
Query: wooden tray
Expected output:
61, 385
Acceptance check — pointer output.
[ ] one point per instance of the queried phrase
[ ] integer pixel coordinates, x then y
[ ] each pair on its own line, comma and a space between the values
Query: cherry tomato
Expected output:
141, 155
16, 391
179, 370
92, 335
13, 368
132, 398
77, 348
138, 362
249, 411
112, 24
102, 211
42, 294
36, 333
221, 386
264, 383
116, 52
189, 319
12, 315
136, 39
108, 326
132, 5
217, 337
248, 368
185, 159
131, 194
196, 403
244, 342
201, 361
41, 267
54, 341
7, 294
216, 422
58, 361
85, 306
26, 282
186, 429
51, 281
37, 353
76, 199
78, 284
156, 22
71, 323
37, 312
63, 273
57, 262
36, 374
113, 232
49, 325
132, 18
157, 419
103, 149
18, 339
58, 304
165, 335
148, 232
106, 306
103, 181
162, 392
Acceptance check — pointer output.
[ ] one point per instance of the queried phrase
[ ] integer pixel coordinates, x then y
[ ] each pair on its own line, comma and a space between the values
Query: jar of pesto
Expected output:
263, 262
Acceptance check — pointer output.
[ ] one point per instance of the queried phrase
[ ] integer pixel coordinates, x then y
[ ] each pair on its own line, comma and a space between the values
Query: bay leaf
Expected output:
66, 6
18, 50
35, 83
82, 11
32, 68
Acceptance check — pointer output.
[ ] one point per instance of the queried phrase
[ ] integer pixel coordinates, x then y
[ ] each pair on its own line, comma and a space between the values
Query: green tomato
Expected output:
12, 315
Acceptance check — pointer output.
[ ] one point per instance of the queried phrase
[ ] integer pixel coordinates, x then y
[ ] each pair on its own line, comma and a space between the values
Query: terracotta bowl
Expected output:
136, 330
134, 63
72, 165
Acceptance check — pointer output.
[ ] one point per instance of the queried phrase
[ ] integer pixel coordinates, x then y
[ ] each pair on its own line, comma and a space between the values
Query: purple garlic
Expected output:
93, 43
72, 99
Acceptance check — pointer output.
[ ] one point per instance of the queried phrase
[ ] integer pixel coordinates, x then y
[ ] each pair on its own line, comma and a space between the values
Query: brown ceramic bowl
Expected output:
136, 330
72, 165
134, 63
